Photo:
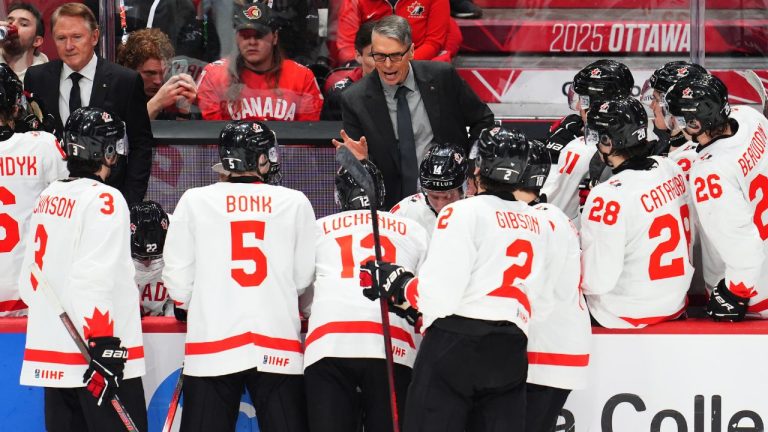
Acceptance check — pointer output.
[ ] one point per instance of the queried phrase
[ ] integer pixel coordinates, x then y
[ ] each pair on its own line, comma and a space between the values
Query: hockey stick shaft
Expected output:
754, 80
53, 300
347, 160
174, 404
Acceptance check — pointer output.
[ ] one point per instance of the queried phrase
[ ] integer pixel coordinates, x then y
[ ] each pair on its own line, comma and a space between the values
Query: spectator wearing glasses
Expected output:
257, 83
393, 115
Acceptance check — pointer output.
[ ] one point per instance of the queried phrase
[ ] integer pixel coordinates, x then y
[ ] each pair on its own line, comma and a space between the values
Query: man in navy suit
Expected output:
392, 116
81, 78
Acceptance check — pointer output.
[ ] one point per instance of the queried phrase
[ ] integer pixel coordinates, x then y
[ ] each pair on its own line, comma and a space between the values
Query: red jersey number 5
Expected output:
240, 252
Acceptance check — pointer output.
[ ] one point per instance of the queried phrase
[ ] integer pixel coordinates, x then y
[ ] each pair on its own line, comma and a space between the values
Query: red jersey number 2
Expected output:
254, 254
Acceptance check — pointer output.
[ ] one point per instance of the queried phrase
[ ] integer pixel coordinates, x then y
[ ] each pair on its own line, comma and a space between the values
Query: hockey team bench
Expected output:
667, 377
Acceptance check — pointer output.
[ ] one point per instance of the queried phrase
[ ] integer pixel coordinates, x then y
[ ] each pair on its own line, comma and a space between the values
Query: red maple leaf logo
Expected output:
741, 290
687, 92
98, 325
683, 71
595, 73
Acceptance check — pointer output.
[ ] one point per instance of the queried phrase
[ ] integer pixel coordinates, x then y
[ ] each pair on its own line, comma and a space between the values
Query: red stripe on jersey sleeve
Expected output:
57, 144
358, 327
198, 348
69, 358
758, 307
555, 359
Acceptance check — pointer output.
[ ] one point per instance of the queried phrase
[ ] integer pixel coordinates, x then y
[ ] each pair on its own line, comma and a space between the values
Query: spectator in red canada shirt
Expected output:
429, 21
257, 83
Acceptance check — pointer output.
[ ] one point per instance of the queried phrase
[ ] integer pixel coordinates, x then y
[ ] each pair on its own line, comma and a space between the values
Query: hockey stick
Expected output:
347, 160
174, 405
53, 300
757, 84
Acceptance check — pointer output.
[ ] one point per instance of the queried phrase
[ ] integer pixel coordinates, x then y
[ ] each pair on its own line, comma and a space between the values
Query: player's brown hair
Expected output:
143, 45
74, 10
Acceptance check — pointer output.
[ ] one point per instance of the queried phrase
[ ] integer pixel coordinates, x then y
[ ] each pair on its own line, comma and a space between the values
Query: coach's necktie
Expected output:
407, 143
74, 94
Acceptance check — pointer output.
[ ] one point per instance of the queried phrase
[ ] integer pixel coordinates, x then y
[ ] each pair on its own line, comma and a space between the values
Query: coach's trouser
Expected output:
469, 376
543, 407
212, 403
334, 402
75, 409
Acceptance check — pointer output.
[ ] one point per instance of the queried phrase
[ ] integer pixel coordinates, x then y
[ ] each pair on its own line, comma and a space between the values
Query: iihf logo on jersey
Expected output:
687, 93
595, 73
416, 10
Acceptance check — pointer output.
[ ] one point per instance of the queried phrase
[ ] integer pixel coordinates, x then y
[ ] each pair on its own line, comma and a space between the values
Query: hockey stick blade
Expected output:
53, 301
756, 83
356, 169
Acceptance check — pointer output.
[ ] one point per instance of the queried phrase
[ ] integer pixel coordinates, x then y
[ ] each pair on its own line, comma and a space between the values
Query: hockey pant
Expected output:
335, 405
469, 376
543, 407
213, 403
75, 409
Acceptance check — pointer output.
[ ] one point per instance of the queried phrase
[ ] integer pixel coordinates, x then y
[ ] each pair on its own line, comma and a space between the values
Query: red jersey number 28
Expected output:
254, 254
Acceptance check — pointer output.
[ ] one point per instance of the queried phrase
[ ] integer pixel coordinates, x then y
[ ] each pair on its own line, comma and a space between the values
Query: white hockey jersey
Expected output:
152, 291
489, 259
562, 184
684, 156
729, 182
80, 237
343, 323
29, 162
417, 208
238, 255
559, 342
635, 234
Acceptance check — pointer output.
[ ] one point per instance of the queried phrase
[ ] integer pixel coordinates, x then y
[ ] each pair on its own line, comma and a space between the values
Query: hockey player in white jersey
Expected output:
28, 163
635, 228
729, 181
79, 238
238, 255
599, 81
442, 175
149, 225
344, 347
488, 268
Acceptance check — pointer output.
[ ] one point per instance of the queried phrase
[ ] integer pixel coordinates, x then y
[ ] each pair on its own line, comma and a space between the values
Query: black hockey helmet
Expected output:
443, 168
149, 225
620, 122
349, 194
507, 156
93, 134
600, 81
666, 76
702, 98
250, 146
11, 88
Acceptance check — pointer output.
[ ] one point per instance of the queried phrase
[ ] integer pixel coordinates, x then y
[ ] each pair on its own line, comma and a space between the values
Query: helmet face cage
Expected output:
250, 146
621, 123
698, 101
94, 134
149, 226
444, 168
502, 155
602, 80
350, 196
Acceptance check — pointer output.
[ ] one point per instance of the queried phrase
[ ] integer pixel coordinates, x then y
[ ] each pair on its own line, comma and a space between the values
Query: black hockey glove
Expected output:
560, 134
390, 279
106, 368
179, 313
723, 305
409, 313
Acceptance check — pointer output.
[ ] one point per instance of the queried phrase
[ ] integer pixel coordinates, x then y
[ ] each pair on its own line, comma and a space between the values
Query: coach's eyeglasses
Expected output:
394, 57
